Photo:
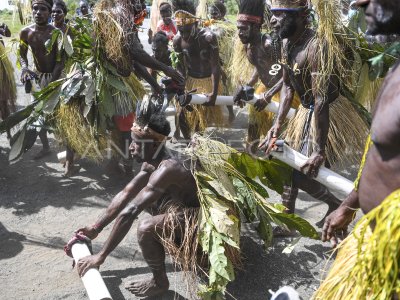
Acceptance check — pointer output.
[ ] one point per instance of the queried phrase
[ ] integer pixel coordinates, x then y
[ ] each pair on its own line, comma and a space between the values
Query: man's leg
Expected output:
149, 232
231, 113
45, 144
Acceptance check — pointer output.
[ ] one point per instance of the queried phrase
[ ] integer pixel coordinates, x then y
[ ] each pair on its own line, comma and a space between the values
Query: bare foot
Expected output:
71, 170
147, 288
43, 153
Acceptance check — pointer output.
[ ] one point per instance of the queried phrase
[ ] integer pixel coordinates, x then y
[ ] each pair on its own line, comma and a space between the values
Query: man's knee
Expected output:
147, 229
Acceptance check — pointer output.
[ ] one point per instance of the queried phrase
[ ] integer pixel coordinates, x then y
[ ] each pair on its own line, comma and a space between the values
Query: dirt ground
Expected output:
40, 209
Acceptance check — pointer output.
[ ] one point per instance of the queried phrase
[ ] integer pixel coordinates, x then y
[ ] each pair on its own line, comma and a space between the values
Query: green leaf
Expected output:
49, 44
67, 43
17, 117
52, 101
116, 83
264, 228
289, 248
218, 259
17, 148
107, 103
293, 221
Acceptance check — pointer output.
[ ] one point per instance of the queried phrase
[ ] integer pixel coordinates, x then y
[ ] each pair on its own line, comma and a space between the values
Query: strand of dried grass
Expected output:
8, 91
347, 132
72, 126
367, 90
367, 265
240, 69
202, 117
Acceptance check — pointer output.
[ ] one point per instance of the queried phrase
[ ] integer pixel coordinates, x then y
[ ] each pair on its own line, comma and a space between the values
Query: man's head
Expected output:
160, 45
149, 133
217, 10
166, 13
250, 19
59, 11
382, 16
185, 18
288, 16
84, 7
41, 11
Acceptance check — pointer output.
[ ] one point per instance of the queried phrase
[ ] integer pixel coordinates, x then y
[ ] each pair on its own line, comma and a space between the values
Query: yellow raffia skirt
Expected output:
346, 138
367, 263
202, 117
8, 92
261, 122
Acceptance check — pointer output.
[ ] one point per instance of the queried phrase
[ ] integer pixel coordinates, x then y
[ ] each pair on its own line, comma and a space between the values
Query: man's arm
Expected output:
211, 39
262, 103
181, 67
339, 219
158, 183
254, 78
142, 72
287, 94
139, 55
26, 74
119, 202
4, 30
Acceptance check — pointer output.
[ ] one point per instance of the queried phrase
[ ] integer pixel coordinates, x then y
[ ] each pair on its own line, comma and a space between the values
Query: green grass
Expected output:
13, 23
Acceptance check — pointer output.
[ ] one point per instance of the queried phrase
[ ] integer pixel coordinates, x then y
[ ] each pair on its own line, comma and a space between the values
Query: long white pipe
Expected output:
92, 280
330, 179
228, 100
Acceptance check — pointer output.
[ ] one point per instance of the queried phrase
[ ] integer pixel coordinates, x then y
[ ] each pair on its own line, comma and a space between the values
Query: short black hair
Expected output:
160, 36
220, 6
160, 124
164, 4
252, 7
61, 4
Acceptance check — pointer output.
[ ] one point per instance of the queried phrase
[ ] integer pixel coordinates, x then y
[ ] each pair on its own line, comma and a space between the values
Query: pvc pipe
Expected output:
228, 100
92, 280
330, 179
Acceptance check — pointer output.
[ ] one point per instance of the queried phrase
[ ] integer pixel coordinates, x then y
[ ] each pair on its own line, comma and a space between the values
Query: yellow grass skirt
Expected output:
367, 263
202, 117
8, 92
347, 132
263, 121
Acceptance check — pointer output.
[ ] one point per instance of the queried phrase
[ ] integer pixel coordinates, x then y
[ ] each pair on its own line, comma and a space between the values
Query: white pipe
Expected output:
330, 179
62, 157
228, 100
92, 280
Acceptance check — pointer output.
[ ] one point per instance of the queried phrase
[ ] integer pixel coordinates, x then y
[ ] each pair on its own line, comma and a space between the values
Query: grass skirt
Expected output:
347, 132
367, 263
202, 117
8, 92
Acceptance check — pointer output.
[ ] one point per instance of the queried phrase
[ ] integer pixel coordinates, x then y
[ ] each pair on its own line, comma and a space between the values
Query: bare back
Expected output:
381, 173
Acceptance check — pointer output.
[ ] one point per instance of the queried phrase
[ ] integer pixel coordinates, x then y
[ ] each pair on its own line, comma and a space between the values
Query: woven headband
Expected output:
249, 18
49, 4
183, 17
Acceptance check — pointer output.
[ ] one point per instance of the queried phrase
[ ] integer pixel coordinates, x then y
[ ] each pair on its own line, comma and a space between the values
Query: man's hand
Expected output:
269, 142
312, 165
88, 231
27, 74
175, 75
211, 100
261, 104
336, 223
85, 263
237, 97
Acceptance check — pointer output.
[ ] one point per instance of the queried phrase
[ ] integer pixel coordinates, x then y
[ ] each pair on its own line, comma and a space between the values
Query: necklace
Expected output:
275, 68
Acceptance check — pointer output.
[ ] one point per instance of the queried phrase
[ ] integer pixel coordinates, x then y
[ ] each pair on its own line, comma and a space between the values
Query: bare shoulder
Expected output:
267, 41
172, 166
169, 172
208, 36
24, 33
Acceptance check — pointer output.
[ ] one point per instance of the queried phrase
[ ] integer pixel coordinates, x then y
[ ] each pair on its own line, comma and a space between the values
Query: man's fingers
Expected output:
334, 241
325, 231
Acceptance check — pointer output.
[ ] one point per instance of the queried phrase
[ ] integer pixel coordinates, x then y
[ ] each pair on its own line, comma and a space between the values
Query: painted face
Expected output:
142, 150
84, 8
160, 49
57, 14
382, 16
187, 31
283, 23
245, 31
166, 14
215, 14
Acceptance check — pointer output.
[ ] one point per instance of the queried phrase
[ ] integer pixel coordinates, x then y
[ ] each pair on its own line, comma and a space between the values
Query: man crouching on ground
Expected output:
163, 181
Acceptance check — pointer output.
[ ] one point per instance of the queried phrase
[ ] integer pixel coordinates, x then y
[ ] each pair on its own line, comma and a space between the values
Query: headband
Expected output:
147, 132
49, 3
183, 17
249, 18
